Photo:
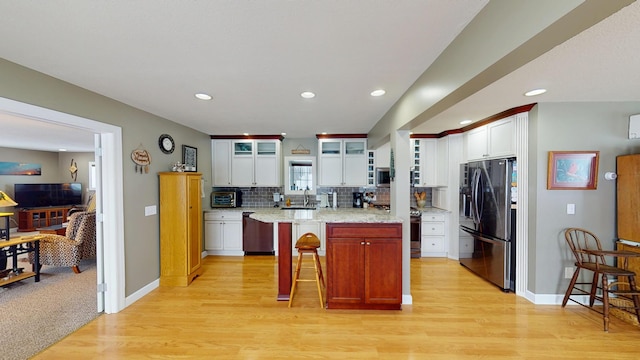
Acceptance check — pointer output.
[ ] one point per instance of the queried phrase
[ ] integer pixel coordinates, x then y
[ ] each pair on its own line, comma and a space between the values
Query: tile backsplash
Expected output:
262, 197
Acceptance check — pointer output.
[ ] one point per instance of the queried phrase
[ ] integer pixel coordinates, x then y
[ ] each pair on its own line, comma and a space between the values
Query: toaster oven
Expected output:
226, 199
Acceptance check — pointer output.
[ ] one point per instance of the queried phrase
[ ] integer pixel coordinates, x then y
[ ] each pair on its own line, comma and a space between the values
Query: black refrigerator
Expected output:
488, 191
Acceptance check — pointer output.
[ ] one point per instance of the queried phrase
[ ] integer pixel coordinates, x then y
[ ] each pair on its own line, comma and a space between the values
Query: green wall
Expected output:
562, 127
138, 128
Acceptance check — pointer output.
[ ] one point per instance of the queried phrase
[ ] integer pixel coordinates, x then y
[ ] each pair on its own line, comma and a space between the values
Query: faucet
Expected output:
306, 197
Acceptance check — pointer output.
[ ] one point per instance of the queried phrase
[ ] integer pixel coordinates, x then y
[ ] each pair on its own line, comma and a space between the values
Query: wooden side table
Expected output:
53, 229
14, 247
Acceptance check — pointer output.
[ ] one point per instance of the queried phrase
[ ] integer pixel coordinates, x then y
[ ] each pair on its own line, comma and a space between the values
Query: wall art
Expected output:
14, 168
572, 170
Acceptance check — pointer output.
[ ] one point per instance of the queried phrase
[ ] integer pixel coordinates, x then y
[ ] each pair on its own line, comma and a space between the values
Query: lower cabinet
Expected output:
223, 232
364, 266
434, 235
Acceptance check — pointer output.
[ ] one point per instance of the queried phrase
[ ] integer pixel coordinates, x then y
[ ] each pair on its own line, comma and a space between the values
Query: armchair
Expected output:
78, 243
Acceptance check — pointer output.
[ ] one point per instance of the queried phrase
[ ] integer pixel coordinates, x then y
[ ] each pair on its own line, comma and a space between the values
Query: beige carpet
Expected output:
35, 315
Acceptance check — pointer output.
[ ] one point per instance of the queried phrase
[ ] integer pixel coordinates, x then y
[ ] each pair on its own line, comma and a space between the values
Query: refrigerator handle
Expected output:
464, 205
474, 196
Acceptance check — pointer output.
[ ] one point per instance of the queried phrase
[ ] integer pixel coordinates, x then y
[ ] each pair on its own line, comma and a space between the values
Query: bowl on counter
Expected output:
421, 203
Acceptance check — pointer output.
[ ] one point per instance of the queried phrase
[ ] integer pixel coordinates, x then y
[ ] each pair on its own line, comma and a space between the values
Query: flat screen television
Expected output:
41, 195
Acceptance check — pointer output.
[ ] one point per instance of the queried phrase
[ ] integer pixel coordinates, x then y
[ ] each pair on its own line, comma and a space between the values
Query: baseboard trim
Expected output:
141, 293
407, 299
556, 299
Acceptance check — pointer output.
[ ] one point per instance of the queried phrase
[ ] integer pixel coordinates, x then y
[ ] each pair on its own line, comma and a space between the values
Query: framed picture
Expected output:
572, 170
190, 158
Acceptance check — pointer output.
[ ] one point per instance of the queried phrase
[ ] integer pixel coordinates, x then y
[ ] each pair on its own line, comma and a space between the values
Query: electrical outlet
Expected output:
568, 272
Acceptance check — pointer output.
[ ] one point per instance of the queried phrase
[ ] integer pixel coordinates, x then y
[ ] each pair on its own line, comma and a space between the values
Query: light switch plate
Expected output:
571, 209
150, 210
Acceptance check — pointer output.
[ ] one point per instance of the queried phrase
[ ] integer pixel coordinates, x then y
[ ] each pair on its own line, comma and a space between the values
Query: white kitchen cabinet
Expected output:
255, 163
223, 232
342, 162
442, 161
491, 141
434, 241
246, 162
424, 158
439, 198
371, 168
221, 167
302, 227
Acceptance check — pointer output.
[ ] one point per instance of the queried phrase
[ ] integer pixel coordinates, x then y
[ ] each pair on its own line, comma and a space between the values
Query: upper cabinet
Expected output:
493, 140
246, 162
424, 155
221, 162
342, 162
442, 161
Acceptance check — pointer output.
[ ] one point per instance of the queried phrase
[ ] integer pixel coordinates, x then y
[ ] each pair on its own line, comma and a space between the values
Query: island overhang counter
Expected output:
365, 221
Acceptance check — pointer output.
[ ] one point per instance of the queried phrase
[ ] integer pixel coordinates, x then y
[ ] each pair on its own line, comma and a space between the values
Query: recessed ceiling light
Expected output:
378, 92
283, 134
324, 133
245, 134
203, 96
535, 92
62, 149
465, 122
308, 95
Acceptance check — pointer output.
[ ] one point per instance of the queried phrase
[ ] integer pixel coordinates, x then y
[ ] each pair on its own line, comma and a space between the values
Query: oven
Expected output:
416, 233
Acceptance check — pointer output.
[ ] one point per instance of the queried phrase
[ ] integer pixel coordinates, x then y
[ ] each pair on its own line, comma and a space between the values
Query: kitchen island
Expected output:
347, 244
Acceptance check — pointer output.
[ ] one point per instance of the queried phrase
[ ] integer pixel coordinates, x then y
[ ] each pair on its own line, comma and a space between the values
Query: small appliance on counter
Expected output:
324, 200
226, 199
357, 199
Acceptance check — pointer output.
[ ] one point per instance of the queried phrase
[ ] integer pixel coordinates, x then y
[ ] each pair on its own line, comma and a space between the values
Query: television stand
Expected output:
32, 218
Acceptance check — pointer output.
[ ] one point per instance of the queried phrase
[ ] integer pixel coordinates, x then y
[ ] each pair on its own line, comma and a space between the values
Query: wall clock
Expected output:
166, 143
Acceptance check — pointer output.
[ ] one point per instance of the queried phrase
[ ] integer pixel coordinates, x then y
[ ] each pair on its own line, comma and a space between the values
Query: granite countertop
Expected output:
433, 210
340, 215
330, 215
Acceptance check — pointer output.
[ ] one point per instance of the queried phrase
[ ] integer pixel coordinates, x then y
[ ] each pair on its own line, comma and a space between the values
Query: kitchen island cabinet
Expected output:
283, 220
364, 266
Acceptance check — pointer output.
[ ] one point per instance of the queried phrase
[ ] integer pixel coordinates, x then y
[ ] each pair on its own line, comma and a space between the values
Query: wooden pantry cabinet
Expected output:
180, 228
364, 266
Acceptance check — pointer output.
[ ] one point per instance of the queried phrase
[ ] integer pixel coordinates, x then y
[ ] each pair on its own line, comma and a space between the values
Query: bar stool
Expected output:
308, 244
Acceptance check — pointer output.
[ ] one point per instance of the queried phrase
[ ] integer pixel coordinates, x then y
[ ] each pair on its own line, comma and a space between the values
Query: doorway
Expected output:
110, 234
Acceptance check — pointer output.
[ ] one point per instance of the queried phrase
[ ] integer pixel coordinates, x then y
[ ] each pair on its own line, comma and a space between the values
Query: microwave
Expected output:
226, 199
383, 179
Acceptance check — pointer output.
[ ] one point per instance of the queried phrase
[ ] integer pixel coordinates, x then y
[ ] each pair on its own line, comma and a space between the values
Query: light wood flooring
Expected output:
230, 312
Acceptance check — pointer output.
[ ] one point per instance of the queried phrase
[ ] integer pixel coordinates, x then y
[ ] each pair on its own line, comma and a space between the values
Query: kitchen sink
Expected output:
298, 208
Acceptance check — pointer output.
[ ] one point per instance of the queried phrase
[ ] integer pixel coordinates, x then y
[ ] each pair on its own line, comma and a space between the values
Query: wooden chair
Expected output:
308, 244
589, 255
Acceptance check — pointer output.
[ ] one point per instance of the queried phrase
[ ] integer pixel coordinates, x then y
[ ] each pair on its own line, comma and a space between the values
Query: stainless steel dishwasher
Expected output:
257, 236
